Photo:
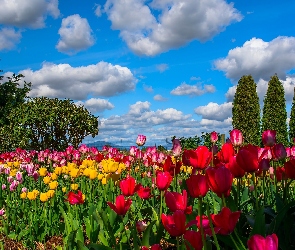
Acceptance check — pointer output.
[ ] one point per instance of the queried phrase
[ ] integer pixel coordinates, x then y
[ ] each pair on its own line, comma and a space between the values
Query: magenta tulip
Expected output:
258, 242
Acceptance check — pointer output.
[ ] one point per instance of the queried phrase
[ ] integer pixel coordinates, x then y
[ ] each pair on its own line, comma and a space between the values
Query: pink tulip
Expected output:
141, 139
236, 137
214, 137
258, 242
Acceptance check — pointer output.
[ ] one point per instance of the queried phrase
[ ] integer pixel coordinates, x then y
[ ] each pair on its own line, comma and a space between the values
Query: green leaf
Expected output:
146, 234
259, 224
93, 246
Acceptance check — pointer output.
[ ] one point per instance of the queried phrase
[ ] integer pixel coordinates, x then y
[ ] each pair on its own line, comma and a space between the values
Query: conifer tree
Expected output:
274, 110
246, 110
292, 120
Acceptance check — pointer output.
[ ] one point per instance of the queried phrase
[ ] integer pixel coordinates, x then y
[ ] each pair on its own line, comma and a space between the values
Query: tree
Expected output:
292, 120
274, 110
246, 110
11, 95
42, 123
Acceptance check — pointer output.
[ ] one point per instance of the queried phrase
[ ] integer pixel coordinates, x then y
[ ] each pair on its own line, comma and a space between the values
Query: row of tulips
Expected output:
234, 197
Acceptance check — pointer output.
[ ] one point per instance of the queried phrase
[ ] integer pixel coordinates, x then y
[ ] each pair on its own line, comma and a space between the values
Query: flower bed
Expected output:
238, 197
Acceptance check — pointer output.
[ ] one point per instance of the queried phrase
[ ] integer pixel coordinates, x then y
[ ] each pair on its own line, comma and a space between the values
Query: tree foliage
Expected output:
274, 110
11, 95
246, 110
42, 123
292, 120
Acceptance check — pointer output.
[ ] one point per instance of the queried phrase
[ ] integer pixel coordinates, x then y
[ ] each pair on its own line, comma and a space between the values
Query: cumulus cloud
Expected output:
192, 90
9, 38
75, 35
160, 98
95, 105
64, 81
31, 14
146, 34
259, 58
214, 111
138, 108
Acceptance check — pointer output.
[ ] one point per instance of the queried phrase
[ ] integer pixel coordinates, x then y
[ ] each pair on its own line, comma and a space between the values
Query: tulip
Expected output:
220, 180
234, 167
176, 148
258, 242
175, 224
75, 199
156, 247
197, 186
144, 192
171, 167
225, 222
290, 169
163, 180
141, 139
128, 186
176, 201
226, 152
269, 138
198, 159
236, 137
121, 205
194, 239
279, 151
214, 137
141, 225
247, 158
2, 211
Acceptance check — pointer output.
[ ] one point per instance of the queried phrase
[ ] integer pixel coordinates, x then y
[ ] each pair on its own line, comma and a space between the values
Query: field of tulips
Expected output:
234, 197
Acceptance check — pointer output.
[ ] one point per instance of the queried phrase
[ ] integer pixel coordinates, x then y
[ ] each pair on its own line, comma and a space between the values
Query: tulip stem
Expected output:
255, 191
212, 228
161, 201
242, 244
223, 200
233, 240
201, 224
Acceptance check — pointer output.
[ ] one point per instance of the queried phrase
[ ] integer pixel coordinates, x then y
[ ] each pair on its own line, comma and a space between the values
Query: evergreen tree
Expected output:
246, 110
274, 110
292, 120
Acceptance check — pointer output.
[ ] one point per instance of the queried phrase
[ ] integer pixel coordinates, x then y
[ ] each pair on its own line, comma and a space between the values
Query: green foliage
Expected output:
42, 123
274, 110
246, 110
11, 95
292, 120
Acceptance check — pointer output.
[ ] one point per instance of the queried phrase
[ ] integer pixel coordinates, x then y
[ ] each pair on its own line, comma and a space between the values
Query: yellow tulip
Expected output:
86, 172
64, 189
74, 173
46, 179
50, 193
13, 172
100, 176
53, 184
23, 195
43, 197
53, 176
93, 174
74, 186
58, 170
42, 171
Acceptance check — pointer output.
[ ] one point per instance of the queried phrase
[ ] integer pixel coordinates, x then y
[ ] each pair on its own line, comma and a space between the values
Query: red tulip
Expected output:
176, 224
144, 192
236, 137
171, 167
234, 167
214, 137
121, 206
194, 239
269, 138
205, 225
225, 221
220, 180
75, 199
198, 159
290, 169
163, 180
128, 186
258, 242
176, 201
247, 158
197, 185
226, 152
156, 247
279, 151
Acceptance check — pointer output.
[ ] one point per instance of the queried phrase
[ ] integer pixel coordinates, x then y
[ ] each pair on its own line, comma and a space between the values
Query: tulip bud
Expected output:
141, 225
140, 141
269, 138
236, 137
214, 137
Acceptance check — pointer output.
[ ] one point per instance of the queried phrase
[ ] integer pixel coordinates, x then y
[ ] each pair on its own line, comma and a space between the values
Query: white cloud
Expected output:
259, 58
160, 98
65, 81
194, 78
149, 35
95, 105
30, 13
138, 108
9, 38
148, 88
75, 35
162, 67
97, 10
192, 90
214, 111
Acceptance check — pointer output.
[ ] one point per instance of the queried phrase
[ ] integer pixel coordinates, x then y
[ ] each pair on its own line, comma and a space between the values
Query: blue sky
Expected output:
161, 68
